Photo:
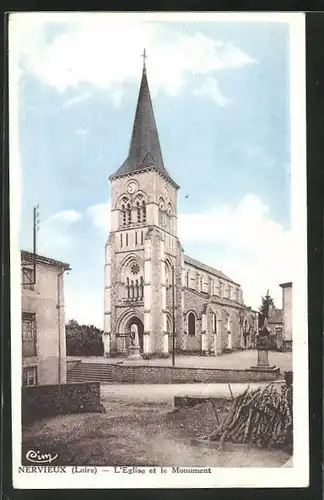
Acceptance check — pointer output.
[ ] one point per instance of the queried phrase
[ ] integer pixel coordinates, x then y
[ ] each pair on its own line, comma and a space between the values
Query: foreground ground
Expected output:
139, 428
165, 393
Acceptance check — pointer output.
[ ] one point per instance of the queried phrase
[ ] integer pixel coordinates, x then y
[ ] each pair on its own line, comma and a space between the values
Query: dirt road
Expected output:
136, 432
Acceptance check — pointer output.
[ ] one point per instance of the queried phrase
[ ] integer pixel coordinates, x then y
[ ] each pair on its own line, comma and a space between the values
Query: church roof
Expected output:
207, 269
144, 151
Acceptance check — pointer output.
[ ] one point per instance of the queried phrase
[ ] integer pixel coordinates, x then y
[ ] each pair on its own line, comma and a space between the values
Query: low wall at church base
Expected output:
137, 374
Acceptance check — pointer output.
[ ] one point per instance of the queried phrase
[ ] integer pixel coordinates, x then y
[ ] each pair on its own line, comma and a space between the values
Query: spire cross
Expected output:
144, 58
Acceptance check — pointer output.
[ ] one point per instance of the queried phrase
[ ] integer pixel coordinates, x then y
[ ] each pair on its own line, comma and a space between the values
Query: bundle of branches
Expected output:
262, 418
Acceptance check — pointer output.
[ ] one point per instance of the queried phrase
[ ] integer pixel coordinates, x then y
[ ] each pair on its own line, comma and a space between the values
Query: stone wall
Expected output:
201, 303
287, 313
168, 375
50, 400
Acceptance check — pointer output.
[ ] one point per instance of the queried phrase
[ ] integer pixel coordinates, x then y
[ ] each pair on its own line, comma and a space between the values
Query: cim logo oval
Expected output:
40, 458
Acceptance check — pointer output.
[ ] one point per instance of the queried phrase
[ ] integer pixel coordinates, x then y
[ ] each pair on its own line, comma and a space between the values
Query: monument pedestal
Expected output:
263, 362
134, 352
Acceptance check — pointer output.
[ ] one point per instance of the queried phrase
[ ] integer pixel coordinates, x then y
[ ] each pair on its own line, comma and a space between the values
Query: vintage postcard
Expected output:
158, 250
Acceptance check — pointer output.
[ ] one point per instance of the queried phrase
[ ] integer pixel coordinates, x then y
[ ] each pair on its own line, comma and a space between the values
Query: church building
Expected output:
149, 281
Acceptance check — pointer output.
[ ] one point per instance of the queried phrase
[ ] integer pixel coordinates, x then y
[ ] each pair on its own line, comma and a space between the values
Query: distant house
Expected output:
287, 315
275, 325
43, 320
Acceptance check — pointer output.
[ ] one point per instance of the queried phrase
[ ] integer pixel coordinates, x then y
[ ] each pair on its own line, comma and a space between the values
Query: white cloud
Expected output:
243, 241
95, 49
209, 87
100, 216
55, 233
77, 99
66, 216
82, 131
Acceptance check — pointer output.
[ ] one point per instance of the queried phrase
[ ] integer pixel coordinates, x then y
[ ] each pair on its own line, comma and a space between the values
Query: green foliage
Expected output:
83, 340
267, 303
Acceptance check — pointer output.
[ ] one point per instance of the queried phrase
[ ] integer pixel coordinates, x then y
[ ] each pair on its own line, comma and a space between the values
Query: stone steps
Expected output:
90, 372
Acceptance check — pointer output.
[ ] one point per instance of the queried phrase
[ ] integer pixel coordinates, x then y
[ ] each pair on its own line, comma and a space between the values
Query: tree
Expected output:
264, 310
83, 340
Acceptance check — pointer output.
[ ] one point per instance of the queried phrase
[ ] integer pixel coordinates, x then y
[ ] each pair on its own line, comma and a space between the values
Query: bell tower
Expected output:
143, 251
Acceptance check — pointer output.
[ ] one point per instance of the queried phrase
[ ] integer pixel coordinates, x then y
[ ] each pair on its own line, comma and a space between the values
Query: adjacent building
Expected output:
150, 283
43, 320
276, 328
287, 315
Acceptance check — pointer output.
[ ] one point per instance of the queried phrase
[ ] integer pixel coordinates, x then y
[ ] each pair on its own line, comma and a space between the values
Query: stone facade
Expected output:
43, 321
287, 315
149, 281
275, 326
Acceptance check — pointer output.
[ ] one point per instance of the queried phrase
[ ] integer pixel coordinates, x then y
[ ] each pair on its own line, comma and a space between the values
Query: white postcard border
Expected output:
296, 476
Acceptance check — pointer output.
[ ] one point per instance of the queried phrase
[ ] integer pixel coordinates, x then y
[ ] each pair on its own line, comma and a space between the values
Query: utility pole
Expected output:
173, 317
35, 229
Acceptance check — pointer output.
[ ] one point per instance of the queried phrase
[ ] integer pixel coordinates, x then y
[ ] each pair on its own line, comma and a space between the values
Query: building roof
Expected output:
28, 258
286, 285
144, 151
276, 316
207, 269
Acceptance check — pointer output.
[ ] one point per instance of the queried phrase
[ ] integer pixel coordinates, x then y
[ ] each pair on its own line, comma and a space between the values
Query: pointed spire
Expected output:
144, 58
144, 150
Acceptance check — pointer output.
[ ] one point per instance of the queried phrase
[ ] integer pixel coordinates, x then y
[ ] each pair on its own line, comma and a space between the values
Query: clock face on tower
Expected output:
131, 188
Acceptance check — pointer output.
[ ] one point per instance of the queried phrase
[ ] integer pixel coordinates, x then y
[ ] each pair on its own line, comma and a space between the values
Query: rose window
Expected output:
135, 269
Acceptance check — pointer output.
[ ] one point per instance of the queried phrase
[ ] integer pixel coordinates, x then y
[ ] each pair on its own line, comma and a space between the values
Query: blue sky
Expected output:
220, 93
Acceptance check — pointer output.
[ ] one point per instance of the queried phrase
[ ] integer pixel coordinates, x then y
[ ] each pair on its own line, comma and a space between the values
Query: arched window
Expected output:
169, 218
143, 211
141, 288
161, 213
214, 324
138, 211
129, 214
123, 215
191, 324
132, 279
168, 282
128, 288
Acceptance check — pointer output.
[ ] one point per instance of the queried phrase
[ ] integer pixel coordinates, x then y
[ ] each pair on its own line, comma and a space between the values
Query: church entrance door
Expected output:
140, 330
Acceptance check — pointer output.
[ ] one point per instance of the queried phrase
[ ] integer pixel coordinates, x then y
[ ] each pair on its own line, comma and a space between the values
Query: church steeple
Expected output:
144, 151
